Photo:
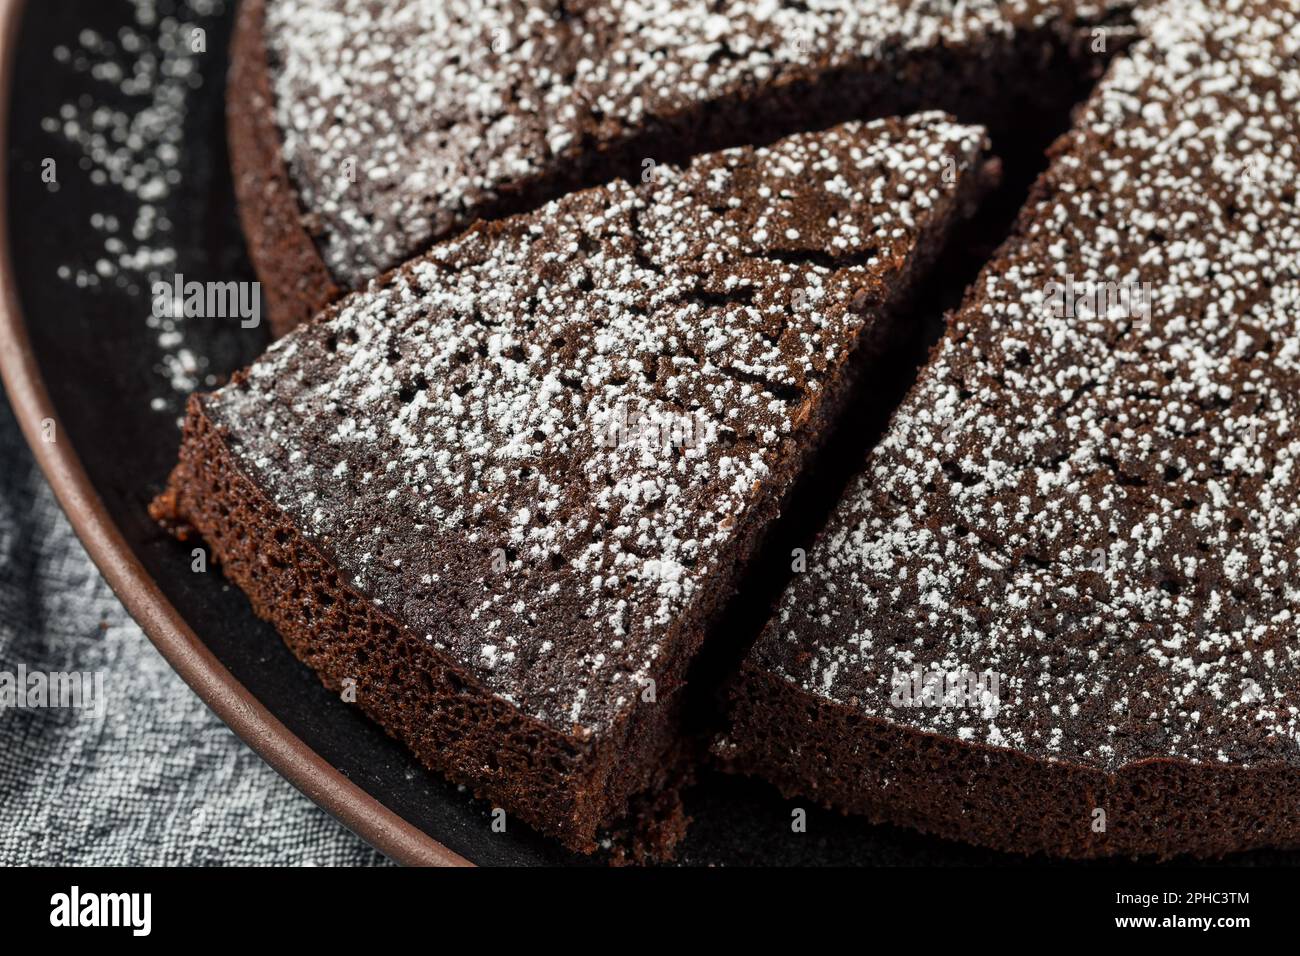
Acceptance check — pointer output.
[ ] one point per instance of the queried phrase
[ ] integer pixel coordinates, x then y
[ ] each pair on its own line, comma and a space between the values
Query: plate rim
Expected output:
381, 827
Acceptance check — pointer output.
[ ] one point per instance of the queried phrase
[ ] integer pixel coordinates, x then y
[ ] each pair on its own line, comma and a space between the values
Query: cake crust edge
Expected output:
999, 798
296, 281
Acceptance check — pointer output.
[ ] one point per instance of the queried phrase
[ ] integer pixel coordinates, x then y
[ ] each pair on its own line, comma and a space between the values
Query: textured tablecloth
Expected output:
158, 778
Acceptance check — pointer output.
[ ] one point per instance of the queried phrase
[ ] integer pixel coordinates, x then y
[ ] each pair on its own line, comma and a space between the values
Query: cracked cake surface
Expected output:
543, 450
404, 121
600, 391
1091, 490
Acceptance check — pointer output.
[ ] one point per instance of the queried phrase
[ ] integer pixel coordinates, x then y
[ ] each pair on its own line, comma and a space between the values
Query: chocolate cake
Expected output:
362, 132
502, 493
1057, 611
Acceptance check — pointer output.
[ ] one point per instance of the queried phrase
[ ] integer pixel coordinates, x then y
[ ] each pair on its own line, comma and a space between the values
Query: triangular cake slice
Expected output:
502, 493
1058, 611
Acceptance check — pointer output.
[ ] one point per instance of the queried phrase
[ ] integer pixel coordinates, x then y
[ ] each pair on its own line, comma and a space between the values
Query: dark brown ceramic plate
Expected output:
87, 376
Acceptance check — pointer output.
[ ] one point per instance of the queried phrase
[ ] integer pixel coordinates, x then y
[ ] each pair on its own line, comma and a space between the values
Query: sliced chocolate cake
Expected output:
501, 494
361, 132
1058, 610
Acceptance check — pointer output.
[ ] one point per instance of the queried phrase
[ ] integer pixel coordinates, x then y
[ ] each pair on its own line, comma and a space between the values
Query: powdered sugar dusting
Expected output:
404, 121
1098, 507
491, 442
132, 142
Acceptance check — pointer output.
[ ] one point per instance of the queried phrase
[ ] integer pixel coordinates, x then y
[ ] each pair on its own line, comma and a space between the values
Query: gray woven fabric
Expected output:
158, 778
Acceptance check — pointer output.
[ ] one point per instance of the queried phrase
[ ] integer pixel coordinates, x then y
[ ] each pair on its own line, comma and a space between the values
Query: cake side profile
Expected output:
295, 279
1057, 611
361, 133
501, 494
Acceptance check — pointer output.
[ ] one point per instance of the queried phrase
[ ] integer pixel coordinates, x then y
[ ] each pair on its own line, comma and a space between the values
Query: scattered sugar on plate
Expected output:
132, 144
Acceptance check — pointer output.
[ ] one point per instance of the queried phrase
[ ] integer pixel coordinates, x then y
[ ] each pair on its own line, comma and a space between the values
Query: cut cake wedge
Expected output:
1057, 613
504, 491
